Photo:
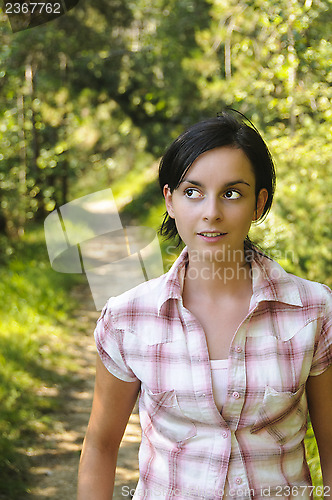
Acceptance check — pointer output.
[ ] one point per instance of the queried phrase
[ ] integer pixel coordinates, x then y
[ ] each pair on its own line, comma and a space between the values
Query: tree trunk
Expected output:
22, 174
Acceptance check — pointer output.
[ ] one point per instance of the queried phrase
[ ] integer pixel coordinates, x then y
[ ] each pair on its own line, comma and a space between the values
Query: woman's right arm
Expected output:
113, 403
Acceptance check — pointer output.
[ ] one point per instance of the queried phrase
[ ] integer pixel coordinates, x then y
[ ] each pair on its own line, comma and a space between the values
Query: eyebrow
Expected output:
228, 184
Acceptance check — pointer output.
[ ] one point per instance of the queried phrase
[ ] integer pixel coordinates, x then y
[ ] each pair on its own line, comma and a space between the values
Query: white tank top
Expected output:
219, 377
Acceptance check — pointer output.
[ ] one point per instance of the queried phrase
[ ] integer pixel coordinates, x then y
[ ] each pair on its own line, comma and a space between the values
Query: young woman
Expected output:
227, 351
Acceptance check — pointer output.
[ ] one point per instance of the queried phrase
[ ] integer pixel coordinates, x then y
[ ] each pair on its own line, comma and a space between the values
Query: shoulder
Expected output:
147, 298
314, 296
138, 299
311, 291
293, 289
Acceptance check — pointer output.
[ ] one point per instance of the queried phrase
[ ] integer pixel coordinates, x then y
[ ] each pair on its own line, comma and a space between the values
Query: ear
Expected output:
168, 200
260, 203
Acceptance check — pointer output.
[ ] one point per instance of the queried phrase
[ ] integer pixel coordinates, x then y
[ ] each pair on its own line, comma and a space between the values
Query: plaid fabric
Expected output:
188, 448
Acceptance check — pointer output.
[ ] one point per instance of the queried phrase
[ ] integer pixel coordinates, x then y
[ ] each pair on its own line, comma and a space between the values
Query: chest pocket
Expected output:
282, 414
164, 417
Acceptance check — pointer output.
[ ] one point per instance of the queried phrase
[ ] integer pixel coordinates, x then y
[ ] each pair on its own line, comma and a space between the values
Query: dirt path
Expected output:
54, 461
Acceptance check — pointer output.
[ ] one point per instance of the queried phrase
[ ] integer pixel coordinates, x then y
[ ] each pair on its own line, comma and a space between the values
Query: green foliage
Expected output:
55, 119
297, 232
272, 60
101, 85
34, 366
313, 460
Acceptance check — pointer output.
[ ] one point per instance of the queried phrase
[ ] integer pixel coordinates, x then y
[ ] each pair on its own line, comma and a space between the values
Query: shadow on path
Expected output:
54, 460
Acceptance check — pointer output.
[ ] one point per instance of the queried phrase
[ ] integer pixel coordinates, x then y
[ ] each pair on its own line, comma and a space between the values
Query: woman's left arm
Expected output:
319, 394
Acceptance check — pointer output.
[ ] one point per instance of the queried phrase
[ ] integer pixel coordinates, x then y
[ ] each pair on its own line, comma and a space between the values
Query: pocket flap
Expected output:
166, 416
275, 407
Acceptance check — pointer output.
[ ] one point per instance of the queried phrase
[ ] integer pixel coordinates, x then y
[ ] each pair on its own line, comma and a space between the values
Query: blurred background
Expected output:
91, 100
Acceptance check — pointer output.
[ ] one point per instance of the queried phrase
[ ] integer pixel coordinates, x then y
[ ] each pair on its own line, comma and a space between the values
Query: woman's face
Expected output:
215, 203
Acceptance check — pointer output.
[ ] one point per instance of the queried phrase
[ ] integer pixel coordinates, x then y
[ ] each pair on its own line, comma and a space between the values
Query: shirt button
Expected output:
238, 348
236, 395
224, 434
238, 480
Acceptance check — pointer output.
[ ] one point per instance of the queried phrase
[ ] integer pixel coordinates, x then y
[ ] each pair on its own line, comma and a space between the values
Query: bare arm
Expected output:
319, 393
113, 402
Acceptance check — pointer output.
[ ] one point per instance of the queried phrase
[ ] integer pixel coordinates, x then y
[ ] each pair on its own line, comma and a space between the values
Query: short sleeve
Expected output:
109, 343
323, 349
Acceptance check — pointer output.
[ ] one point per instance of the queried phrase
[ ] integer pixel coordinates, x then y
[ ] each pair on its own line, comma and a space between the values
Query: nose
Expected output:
212, 209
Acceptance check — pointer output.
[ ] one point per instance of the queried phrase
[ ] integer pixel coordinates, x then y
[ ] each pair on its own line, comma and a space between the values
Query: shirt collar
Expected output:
173, 282
270, 281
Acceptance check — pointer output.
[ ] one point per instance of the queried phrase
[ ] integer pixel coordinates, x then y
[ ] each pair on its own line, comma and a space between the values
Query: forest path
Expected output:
54, 459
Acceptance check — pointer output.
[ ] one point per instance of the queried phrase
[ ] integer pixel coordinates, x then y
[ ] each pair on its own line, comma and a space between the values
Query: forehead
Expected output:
222, 164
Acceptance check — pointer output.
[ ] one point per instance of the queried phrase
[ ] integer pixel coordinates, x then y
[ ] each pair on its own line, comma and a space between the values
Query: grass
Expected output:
313, 461
35, 307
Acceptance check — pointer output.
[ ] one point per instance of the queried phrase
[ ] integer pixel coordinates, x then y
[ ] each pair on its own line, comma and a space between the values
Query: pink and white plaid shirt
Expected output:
188, 448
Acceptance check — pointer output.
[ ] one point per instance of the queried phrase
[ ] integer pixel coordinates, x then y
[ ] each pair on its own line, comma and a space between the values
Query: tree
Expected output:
97, 87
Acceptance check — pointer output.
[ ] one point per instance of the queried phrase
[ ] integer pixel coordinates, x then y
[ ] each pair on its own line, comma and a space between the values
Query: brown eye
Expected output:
192, 193
231, 194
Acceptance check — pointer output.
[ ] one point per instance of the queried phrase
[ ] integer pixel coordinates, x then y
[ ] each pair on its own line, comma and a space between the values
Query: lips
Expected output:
211, 234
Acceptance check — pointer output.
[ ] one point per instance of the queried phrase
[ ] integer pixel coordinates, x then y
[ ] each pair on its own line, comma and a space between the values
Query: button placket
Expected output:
200, 365
237, 477
236, 378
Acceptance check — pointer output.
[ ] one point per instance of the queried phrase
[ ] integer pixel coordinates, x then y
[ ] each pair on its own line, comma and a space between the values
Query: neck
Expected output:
213, 276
